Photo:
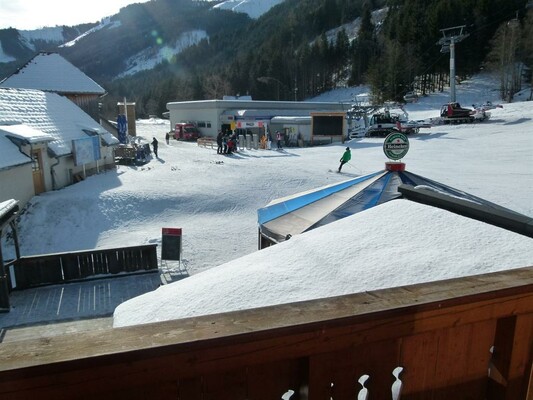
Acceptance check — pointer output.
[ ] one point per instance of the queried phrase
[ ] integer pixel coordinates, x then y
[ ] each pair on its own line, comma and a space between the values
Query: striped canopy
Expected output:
302, 212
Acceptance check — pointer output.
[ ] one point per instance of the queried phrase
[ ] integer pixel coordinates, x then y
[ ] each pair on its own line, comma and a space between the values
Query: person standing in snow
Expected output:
225, 138
219, 142
167, 137
230, 144
278, 139
155, 143
347, 156
269, 140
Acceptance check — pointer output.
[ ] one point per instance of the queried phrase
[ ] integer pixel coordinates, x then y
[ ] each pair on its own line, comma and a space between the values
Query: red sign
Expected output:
172, 231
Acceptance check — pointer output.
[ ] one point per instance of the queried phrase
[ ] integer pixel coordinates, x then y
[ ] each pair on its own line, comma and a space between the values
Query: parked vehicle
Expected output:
410, 97
186, 131
379, 121
453, 113
391, 118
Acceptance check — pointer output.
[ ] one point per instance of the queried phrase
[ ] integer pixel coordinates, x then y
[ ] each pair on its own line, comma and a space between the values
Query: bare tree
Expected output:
527, 47
503, 58
151, 107
215, 87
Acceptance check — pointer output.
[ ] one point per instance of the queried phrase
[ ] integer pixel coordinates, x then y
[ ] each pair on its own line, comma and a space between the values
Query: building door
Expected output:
37, 169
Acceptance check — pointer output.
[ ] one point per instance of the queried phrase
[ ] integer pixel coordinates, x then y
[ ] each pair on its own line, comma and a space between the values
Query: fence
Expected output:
466, 338
207, 142
59, 268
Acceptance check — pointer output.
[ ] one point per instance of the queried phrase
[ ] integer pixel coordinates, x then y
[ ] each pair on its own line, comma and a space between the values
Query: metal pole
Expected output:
452, 70
451, 36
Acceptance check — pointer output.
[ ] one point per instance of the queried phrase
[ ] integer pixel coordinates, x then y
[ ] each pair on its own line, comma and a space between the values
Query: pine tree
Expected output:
363, 48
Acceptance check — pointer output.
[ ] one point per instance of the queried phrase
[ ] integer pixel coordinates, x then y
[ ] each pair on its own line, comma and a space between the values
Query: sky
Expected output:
214, 199
29, 15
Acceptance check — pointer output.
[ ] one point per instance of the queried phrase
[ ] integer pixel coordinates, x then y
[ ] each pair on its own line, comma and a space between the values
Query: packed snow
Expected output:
395, 244
254, 8
149, 58
54, 34
214, 199
104, 23
352, 28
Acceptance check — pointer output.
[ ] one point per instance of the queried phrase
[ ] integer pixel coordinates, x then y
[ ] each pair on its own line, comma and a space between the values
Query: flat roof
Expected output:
258, 105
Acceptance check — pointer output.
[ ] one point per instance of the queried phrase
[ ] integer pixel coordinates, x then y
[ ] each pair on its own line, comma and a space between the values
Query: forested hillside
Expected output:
301, 48
286, 54
143, 26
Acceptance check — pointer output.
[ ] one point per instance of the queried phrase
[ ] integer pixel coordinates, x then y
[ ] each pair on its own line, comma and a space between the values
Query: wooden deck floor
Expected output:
43, 306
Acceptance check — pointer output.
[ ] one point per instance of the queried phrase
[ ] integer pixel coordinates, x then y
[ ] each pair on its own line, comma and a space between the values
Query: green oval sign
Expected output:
396, 145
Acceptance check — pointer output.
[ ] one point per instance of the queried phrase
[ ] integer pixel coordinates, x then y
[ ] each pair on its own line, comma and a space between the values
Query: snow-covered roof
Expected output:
267, 113
291, 120
52, 73
10, 156
26, 132
327, 261
51, 114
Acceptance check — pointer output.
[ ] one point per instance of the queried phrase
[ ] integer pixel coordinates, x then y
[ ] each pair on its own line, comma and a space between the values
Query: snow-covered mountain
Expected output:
352, 28
31, 41
149, 58
106, 22
254, 8
17, 46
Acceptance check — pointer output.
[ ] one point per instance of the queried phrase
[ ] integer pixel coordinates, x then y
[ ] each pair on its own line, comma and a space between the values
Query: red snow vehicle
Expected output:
186, 131
453, 113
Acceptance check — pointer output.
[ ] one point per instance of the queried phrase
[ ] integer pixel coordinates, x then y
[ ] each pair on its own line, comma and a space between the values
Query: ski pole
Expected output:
353, 166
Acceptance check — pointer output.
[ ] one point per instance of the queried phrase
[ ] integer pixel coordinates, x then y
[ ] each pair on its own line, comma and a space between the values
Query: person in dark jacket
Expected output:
347, 156
155, 143
219, 142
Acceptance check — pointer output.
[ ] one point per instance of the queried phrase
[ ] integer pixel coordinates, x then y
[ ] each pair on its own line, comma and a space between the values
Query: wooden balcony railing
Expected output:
467, 338
57, 268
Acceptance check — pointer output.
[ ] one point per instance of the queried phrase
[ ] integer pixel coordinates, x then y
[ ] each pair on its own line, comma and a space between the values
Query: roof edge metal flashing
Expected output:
274, 211
500, 217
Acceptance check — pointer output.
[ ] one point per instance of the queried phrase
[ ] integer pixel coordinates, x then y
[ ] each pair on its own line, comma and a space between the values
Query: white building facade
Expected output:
251, 116
46, 143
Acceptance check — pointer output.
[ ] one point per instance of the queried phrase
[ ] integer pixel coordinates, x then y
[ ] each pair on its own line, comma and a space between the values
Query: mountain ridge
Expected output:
177, 50
18, 46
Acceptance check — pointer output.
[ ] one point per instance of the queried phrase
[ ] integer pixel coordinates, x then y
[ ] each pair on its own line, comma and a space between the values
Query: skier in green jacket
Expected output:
347, 156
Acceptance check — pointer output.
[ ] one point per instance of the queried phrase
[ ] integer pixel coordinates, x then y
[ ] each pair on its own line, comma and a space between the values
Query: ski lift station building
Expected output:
311, 122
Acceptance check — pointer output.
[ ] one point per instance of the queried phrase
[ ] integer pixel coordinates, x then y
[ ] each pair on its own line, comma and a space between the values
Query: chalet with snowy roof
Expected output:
46, 143
50, 72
